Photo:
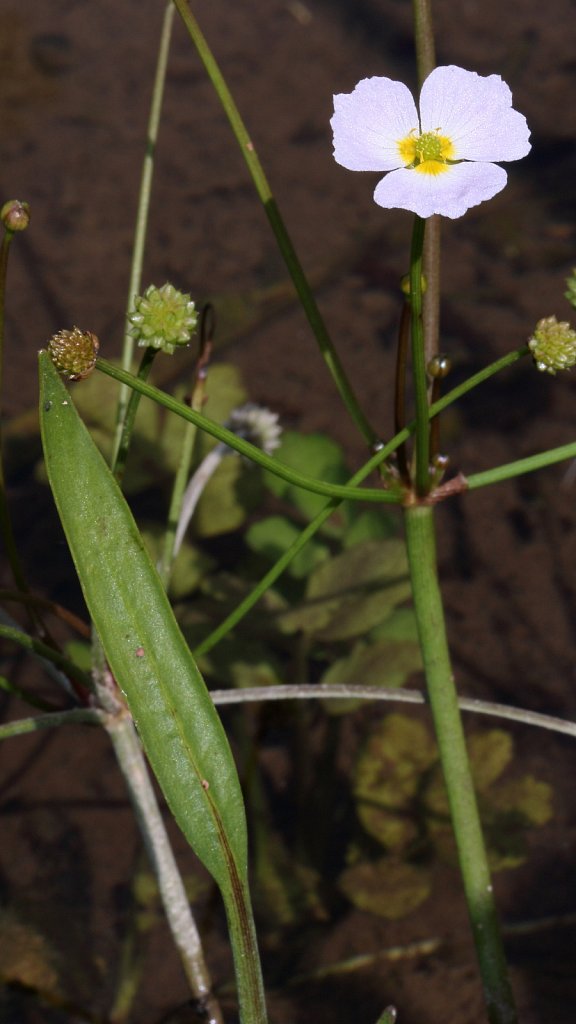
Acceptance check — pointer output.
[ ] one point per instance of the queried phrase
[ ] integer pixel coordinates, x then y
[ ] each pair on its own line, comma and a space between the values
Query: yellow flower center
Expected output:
428, 152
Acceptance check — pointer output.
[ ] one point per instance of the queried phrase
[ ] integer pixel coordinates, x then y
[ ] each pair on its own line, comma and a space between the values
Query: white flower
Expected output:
441, 161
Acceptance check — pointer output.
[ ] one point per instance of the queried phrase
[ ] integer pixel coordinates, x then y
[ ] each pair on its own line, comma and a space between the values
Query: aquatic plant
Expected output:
332, 579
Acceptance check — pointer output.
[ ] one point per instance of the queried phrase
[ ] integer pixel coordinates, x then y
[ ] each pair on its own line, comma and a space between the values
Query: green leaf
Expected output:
229, 495
178, 724
148, 656
155, 446
369, 524
274, 535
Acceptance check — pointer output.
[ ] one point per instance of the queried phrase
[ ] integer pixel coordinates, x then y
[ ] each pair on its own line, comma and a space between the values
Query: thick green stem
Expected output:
421, 544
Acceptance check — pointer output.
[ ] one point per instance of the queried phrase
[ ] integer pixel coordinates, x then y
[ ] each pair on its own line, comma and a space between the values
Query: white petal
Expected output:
476, 113
369, 122
450, 193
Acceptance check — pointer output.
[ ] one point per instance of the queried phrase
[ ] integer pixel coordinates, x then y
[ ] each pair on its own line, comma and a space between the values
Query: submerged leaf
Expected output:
274, 535
230, 494
315, 455
388, 779
350, 594
386, 887
386, 663
527, 796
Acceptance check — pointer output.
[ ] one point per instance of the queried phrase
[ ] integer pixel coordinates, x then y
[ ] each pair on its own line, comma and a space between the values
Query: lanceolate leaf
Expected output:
147, 654
179, 726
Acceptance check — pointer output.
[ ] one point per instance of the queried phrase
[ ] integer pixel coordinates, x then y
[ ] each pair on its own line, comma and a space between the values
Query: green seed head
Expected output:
163, 318
74, 353
553, 345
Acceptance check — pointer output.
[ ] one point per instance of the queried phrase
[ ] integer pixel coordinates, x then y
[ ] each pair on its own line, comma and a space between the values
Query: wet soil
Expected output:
74, 94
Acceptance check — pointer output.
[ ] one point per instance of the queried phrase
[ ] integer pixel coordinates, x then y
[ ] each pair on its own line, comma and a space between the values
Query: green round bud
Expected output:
74, 353
553, 345
163, 318
15, 216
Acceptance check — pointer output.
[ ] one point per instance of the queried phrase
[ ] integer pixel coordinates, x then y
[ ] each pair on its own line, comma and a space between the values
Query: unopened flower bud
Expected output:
405, 284
163, 318
553, 345
15, 216
439, 366
74, 353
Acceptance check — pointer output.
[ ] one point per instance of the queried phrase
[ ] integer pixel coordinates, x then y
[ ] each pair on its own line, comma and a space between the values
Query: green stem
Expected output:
431, 297
46, 653
424, 38
244, 944
400, 390
316, 524
422, 433
251, 451
478, 378
186, 453
521, 466
119, 459
74, 716
426, 61
276, 222
299, 479
421, 546
283, 562
142, 212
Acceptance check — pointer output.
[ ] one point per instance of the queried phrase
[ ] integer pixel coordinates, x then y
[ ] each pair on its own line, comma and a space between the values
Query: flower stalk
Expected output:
422, 439
421, 546
14, 217
143, 211
121, 454
276, 221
